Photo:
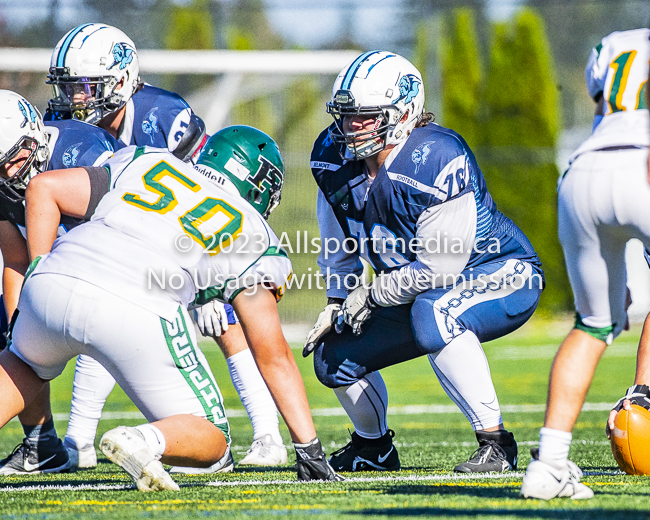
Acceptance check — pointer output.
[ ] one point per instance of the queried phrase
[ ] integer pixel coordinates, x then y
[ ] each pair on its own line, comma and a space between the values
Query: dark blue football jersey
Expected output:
72, 144
155, 117
433, 166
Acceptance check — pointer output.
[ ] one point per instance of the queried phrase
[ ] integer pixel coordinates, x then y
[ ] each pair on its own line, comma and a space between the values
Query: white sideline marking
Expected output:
392, 410
406, 478
70, 487
349, 480
354, 480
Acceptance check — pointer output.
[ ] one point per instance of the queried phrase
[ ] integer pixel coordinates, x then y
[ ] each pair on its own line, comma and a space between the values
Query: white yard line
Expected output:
392, 410
349, 480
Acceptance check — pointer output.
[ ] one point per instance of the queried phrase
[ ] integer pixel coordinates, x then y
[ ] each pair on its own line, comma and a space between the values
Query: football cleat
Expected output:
29, 458
362, 454
545, 482
497, 452
83, 458
265, 452
224, 465
126, 447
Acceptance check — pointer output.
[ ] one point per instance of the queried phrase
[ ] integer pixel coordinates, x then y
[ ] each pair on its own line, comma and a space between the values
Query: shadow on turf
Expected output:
46, 482
573, 514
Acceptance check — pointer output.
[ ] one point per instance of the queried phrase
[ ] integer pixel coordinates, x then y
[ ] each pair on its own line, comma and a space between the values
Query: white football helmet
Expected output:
94, 71
380, 85
21, 128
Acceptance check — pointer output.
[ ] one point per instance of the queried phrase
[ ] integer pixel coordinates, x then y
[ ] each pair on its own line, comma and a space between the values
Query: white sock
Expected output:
554, 447
366, 403
254, 395
464, 374
91, 387
154, 439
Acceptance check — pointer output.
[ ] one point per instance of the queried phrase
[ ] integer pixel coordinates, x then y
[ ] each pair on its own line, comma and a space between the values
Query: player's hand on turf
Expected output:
312, 464
321, 328
356, 309
211, 318
636, 394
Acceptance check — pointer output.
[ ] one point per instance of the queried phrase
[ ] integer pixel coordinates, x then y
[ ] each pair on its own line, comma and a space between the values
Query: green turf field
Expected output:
430, 435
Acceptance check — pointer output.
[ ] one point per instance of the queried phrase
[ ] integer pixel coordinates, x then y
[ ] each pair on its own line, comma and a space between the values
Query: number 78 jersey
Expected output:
166, 235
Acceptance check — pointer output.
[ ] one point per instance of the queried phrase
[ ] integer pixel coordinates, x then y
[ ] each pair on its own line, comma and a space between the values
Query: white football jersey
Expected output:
165, 235
618, 70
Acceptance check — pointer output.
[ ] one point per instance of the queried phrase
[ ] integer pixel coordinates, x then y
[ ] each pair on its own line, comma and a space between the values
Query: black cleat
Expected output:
497, 452
362, 454
30, 459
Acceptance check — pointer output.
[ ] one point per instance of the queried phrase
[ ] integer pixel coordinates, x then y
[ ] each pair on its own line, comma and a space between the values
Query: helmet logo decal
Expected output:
409, 86
28, 112
70, 156
267, 172
122, 56
420, 155
150, 124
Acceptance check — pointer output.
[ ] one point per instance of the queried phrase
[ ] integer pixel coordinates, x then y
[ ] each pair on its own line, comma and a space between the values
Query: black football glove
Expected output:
637, 394
311, 462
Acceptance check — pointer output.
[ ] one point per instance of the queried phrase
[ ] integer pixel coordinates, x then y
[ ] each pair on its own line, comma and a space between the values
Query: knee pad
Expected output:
321, 369
331, 373
606, 334
425, 328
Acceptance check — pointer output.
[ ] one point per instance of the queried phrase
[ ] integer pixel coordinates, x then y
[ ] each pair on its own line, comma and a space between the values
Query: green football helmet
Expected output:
251, 160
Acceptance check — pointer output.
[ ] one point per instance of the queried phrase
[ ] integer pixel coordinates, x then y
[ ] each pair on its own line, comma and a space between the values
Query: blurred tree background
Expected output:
507, 75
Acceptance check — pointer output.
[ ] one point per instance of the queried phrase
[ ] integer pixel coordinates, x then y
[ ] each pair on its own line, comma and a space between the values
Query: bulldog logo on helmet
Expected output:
409, 86
122, 56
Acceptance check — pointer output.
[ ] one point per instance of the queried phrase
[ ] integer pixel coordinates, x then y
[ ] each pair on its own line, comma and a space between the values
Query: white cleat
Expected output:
126, 447
546, 482
265, 452
84, 458
224, 465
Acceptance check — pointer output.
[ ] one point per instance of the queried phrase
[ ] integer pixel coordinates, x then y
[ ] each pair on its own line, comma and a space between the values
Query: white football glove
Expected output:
356, 309
323, 326
211, 318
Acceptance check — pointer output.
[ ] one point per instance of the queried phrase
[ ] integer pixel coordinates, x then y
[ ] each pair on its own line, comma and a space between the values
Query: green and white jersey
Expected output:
165, 235
618, 71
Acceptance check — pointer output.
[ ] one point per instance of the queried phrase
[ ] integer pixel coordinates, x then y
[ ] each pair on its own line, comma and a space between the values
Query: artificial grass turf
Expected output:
430, 442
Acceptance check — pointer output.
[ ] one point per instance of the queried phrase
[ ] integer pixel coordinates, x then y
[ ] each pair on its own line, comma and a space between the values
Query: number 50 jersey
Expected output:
164, 235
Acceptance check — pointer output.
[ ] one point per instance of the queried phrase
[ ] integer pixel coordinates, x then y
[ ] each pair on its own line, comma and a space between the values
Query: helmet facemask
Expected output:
87, 99
364, 143
35, 163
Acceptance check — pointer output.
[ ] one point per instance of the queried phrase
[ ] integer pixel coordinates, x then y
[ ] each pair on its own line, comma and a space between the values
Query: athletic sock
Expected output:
554, 447
43, 435
91, 387
464, 373
366, 403
254, 395
154, 439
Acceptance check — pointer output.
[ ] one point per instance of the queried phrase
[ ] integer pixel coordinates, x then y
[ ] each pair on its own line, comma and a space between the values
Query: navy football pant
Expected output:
393, 335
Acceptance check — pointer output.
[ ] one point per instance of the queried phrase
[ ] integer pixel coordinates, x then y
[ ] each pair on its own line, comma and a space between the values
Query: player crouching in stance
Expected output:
395, 184
596, 219
117, 288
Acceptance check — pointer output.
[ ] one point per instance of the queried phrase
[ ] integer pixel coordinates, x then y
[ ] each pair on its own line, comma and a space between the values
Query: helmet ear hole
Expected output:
254, 196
